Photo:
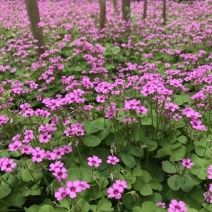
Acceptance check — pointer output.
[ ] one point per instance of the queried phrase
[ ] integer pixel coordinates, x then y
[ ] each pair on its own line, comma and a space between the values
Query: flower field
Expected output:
118, 119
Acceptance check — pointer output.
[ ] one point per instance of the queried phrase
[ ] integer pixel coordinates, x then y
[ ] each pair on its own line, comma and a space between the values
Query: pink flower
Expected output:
45, 137
67, 149
209, 172
171, 106
3, 119
14, 146
59, 152
7, 164
83, 185
197, 124
117, 189
115, 192
112, 160
60, 194
75, 129
177, 117
94, 161
16, 137
131, 104
175, 206
28, 113
121, 184
28, 136
26, 149
60, 173
100, 98
72, 188
141, 110
161, 204
55, 165
210, 188
50, 155
38, 154
186, 162
208, 196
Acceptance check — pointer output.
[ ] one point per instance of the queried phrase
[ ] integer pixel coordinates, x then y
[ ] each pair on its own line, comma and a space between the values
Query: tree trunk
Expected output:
125, 10
102, 17
34, 18
115, 5
145, 9
164, 12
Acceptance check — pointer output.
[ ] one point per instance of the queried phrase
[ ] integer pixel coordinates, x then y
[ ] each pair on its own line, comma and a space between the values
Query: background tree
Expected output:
164, 12
115, 5
102, 17
125, 10
145, 9
34, 18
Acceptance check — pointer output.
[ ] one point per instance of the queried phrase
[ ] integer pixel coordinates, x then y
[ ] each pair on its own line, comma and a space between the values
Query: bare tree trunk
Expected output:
164, 12
145, 9
34, 18
102, 17
125, 10
115, 5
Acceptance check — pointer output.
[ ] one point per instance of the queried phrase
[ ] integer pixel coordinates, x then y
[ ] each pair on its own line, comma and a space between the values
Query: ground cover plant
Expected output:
112, 120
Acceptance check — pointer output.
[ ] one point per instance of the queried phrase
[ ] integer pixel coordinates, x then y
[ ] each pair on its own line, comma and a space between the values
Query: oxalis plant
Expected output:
117, 120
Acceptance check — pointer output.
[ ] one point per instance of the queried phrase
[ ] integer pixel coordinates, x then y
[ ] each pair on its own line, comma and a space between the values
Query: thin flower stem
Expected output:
92, 180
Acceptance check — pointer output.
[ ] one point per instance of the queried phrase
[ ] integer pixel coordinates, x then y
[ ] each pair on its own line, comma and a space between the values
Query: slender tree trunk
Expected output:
115, 5
145, 9
125, 10
164, 12
102, 17
34, 18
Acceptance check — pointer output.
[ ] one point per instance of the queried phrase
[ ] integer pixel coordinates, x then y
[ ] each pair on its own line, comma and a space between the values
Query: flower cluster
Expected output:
59, 171
194, 118
95, 161
117, 189
208, 195
71, 189
49, 100
174, 206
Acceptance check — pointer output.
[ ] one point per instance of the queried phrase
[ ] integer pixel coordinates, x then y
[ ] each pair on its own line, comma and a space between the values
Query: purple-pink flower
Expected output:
176, 206
161, 204
38, 154
112, 160
209, 172
7, 164
60, 194
94, 161
72, 188
186, 162
117, 189
115, 192
60, 173
208, 195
